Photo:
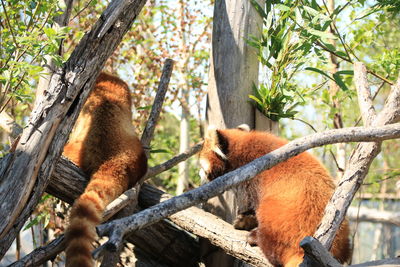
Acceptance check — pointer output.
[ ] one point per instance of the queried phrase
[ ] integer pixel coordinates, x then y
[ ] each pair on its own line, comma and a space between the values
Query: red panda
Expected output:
104, 145
288, 199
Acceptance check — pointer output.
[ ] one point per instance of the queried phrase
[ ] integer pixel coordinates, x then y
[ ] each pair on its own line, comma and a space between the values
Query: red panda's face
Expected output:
217, 151
213, 158
211, 165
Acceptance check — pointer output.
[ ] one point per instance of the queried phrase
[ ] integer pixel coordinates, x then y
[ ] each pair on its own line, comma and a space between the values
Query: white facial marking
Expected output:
203, 176
219, 152
205, 165
204, 168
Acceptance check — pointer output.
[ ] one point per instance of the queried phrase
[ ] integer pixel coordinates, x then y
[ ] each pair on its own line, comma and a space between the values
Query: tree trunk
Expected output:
233, 69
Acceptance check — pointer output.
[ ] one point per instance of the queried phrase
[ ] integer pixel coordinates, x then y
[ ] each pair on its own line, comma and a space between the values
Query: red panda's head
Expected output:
214, 157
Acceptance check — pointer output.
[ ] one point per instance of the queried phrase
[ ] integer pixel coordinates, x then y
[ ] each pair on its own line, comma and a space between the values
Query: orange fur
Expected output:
289, 200
104, 145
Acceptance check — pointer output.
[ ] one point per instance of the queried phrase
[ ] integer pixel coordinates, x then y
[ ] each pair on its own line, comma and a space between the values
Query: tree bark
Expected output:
51, 121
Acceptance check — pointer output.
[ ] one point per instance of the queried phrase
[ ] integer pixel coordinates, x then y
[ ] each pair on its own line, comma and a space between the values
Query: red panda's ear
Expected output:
217, 141
244, 127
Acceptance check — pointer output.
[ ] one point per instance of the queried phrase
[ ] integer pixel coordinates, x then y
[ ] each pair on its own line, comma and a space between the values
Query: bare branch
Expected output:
367, 109
115, 230
373, 215
42, 254
148, 132
358, 167
173, 162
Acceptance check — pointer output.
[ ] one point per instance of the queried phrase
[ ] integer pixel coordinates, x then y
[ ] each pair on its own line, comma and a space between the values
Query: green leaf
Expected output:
282, 7
50, 32
258, 101
144, 108
321, 34
340, 82
315, 13
345, 72
319, 71
342, 54
259, 9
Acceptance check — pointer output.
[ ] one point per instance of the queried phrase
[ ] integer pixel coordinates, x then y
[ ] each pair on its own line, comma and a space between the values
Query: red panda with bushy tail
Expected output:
288, 199
104, 145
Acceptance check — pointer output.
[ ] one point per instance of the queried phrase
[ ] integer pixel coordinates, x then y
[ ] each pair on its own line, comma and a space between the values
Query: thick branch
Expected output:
118, 228
51, 121
358, 167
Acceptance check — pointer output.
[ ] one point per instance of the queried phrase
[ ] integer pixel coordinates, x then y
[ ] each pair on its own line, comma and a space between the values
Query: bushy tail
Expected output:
105, 185
85, 216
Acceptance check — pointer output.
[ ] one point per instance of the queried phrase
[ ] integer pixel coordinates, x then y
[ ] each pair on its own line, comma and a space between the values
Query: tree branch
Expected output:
51, 121
115, 230
173, 162
148, 132
358, 167
373, 215
318, 253
364, 93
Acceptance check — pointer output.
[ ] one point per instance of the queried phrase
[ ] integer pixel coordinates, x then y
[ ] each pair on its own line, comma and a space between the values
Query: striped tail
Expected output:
86, 214
105, 185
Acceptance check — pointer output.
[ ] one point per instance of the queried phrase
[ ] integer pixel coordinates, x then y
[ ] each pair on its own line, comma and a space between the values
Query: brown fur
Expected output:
291, 196
104, 145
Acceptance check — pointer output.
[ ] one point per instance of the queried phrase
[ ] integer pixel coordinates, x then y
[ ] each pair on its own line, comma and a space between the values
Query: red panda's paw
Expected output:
246, 221
252, 238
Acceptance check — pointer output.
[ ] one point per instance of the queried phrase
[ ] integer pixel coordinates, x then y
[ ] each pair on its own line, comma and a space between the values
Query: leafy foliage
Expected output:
27, 38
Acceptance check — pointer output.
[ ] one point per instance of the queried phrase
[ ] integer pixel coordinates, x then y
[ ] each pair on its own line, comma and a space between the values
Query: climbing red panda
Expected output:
288, 199
104, 145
